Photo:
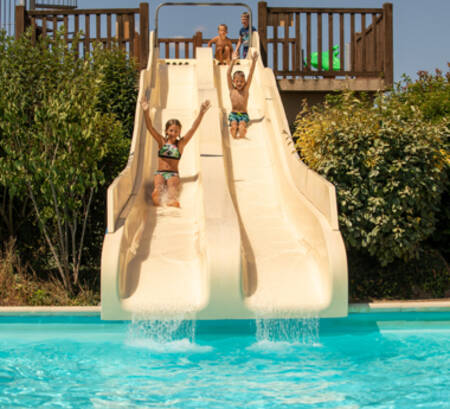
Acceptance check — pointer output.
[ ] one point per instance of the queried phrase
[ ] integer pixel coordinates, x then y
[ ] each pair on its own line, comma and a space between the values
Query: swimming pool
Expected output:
390, 360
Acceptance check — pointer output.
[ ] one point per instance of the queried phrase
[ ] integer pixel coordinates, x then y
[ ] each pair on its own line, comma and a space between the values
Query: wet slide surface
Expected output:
281, 269
163, 267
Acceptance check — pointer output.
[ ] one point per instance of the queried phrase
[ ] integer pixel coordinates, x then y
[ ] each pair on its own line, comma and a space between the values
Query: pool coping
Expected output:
50, 311
401, 306
354, 308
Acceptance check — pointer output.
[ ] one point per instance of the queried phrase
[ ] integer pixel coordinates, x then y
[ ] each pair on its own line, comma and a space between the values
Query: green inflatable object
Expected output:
325, 66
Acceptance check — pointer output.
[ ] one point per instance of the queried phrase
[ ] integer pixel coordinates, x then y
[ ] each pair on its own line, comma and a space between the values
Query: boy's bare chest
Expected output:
223, 41
238, 95
238, 100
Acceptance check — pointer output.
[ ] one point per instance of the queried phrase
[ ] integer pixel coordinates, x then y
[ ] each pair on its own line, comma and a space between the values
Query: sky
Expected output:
421, 27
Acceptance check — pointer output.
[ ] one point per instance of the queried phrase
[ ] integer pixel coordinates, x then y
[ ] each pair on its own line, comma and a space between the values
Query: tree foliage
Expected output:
117, 94
431, 93
55, 140
387, 163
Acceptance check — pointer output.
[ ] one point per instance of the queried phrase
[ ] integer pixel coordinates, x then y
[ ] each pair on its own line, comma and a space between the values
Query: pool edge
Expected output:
42, 311
354, 308
400, 306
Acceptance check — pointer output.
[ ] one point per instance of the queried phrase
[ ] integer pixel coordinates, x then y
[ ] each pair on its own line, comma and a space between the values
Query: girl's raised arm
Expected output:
203, 108
148, 122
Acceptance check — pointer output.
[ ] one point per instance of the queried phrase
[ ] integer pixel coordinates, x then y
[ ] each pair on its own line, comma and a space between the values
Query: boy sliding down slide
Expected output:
239, 88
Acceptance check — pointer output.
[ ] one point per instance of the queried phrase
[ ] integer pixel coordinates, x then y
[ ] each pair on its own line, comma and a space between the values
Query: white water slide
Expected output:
257, 233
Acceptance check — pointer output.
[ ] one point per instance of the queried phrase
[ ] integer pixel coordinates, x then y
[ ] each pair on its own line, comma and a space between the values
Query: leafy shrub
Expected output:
386, 162
20, 285
118, 88
431, 93
426, 277
117, 95
56, 144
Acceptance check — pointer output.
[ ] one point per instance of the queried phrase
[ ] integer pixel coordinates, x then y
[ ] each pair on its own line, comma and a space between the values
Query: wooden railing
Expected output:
361, 40
128, 27
183, 47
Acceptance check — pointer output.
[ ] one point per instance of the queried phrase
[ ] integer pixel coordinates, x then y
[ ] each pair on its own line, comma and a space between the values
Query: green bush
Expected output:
117, 95
58, 140
118, 88
431, 93
426, 277
386, 162
20, 286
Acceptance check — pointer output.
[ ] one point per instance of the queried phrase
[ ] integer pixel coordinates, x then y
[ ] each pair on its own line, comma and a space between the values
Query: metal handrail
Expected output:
204, 4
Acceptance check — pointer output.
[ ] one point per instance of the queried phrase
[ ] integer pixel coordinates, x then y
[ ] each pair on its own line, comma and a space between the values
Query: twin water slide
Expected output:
257, 232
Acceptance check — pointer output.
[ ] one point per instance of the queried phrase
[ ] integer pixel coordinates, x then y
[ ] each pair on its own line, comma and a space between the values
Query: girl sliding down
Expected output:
171, 148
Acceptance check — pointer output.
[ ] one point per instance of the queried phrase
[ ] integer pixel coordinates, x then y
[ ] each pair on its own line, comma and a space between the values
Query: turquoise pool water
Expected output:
363, 361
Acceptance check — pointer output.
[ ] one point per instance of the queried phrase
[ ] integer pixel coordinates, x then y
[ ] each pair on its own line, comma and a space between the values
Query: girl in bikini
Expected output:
170, 150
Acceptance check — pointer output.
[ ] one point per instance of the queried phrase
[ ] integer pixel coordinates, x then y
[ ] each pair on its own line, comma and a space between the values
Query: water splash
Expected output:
164, 196
171, 335
161, 330
303, 330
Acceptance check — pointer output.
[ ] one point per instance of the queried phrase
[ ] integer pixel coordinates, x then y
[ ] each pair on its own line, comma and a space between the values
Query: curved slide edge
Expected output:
298, 183
120, 196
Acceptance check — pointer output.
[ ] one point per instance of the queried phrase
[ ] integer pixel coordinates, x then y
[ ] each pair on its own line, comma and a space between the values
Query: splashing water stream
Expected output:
144, 331
303, 330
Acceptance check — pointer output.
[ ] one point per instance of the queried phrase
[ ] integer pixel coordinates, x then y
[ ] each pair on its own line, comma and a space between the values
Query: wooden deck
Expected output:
316, 49
312, 51
121, 25
327, 48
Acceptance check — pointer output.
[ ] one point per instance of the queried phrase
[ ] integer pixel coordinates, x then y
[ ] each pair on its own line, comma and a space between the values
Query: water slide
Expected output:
257, 232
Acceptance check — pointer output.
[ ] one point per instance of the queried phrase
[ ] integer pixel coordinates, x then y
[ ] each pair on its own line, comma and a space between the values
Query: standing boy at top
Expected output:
238, 87
243, 36
224, 47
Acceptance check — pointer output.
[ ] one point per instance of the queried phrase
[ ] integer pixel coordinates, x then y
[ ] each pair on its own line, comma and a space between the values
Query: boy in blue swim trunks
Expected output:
239, 87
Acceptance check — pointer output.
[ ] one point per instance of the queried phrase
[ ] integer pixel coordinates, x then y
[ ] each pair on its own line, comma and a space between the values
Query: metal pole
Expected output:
205, 4
10, 21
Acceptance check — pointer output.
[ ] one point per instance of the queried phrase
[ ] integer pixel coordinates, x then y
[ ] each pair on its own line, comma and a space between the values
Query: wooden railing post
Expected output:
20, 21
144, 33
388, 45
136, 50
198, 40
262, 29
